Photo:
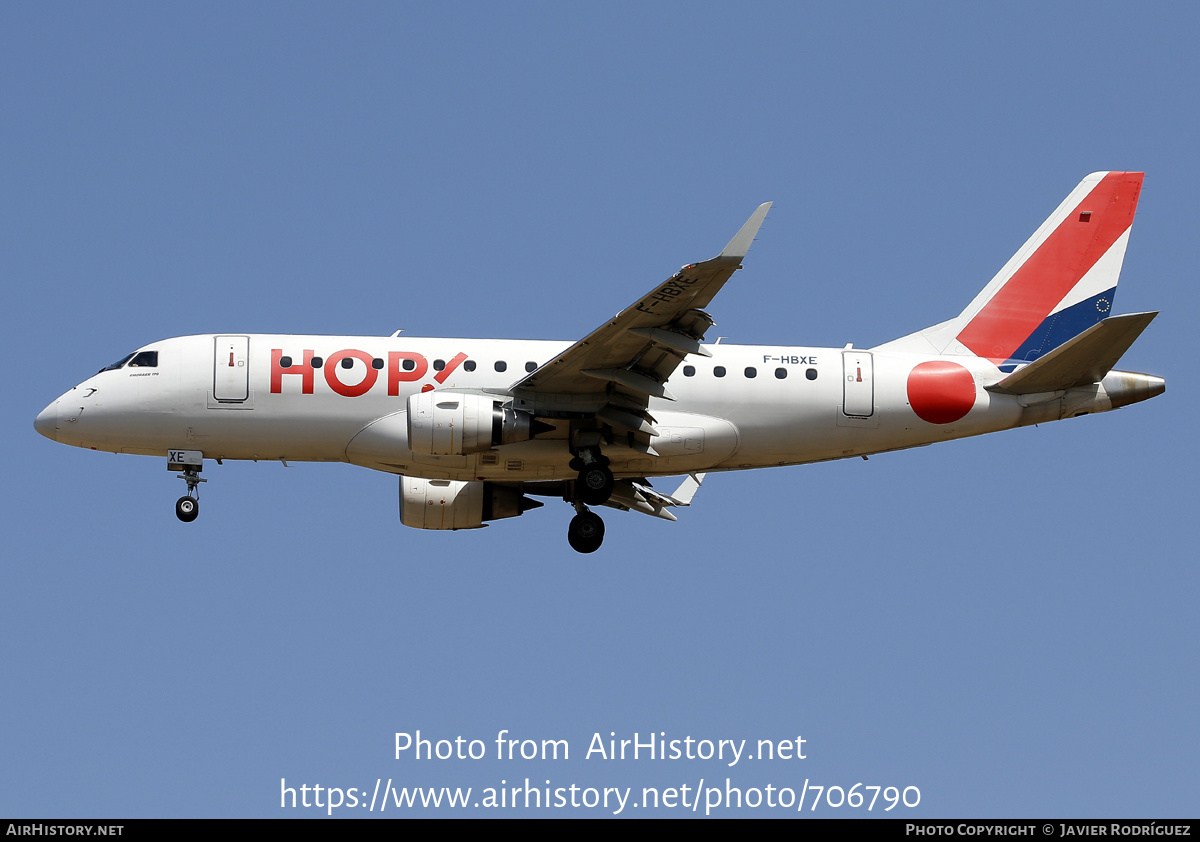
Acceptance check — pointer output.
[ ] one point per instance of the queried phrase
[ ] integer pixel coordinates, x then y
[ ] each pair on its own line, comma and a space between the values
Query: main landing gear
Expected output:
585, 534
595, 483
593, 488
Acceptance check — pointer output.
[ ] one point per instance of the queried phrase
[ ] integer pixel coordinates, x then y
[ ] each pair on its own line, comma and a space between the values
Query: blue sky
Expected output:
1007, 623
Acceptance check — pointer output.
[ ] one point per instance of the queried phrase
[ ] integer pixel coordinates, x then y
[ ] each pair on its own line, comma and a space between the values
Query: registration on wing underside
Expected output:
650, 338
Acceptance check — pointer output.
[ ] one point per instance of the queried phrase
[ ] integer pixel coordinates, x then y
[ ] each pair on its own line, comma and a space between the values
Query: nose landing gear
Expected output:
187, 509
191, 462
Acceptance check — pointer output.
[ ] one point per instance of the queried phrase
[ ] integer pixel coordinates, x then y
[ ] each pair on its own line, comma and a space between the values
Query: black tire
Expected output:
585, 534
187, 509
595, 485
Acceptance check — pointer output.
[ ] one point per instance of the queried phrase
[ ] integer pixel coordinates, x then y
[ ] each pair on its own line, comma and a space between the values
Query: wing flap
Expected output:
633, 380
680, 343
618, 417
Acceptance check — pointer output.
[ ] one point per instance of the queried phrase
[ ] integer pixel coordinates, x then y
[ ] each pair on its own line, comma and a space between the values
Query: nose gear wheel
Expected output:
187, 509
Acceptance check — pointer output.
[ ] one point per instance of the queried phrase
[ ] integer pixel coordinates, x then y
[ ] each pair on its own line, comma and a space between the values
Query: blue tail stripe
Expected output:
1058, 327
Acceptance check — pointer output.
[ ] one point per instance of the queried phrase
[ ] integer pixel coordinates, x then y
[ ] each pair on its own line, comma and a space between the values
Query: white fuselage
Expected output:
231, 396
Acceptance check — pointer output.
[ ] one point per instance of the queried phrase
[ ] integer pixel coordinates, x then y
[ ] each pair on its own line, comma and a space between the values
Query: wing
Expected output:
635, 495
638, 496
614, 370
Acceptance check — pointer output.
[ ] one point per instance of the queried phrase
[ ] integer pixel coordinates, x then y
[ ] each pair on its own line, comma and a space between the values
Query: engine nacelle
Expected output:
453, 424
451, 504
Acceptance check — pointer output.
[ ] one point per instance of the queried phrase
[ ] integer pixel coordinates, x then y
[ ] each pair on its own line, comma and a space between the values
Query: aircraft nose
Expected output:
47, 422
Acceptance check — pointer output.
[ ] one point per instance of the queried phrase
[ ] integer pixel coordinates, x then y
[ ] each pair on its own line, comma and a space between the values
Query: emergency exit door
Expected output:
858, 384
231, 368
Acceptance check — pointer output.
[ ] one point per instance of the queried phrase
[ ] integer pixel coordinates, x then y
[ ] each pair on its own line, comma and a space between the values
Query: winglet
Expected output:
740, 244
687, 489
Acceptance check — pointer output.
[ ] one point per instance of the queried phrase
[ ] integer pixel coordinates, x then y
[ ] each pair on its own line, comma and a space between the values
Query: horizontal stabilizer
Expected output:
1085, 359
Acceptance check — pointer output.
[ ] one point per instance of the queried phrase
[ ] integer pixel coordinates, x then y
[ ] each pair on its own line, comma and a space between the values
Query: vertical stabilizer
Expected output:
1059, 284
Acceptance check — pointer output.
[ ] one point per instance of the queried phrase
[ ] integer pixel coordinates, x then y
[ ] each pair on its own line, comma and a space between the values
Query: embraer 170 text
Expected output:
474, 426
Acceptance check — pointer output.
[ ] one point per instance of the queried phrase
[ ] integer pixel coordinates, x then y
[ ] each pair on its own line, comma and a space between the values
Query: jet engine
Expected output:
451, 504
454, 424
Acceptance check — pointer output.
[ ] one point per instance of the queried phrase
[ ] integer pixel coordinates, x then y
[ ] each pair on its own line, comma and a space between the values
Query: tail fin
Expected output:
1059, 284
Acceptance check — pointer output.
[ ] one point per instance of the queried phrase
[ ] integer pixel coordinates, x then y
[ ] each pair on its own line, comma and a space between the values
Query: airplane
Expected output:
476, 428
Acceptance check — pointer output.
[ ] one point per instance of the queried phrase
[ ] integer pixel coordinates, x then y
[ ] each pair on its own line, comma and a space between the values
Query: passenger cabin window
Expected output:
285, 362
146, 359
348, 362
751, 371
408, 365
781, 373
719, 371
317, 362
438, 365
377, 363
469, 365
689, 371
501, 365
811, 374
530, 366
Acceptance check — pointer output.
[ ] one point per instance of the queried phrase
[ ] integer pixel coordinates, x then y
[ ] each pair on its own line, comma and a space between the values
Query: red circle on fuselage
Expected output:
941, 392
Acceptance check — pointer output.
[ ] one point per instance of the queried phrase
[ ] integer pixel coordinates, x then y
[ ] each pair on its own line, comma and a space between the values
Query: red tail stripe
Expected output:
1042, 281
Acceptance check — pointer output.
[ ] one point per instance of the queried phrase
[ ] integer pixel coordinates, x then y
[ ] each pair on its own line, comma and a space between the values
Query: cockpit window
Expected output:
138, 359
118, 363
